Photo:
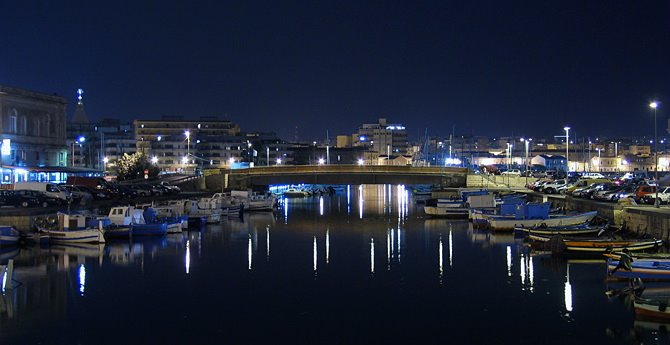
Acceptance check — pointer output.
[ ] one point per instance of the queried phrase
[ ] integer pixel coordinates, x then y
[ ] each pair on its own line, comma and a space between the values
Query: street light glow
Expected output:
187, 134
653, 105
154, 159
278, 161
360, 161
321, 161
105, 160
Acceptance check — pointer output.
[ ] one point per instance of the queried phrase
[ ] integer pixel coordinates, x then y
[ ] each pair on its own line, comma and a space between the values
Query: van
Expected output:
51, 190
643, 190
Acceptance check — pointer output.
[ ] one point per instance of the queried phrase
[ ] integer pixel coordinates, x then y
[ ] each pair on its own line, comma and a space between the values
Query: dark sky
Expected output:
486, 67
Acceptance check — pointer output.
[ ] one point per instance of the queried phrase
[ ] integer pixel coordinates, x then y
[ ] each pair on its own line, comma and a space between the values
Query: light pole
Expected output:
654, 105
187, 133
525, 160
79, 140
590, 155
104, 161
567, 151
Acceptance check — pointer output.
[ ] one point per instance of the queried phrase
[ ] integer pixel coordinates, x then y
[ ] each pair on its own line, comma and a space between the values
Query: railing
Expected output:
338, 169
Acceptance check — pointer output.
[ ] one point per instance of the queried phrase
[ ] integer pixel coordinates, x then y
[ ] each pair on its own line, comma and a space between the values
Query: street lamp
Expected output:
105, 160
525, 160
654, 105
278, 161
361, 161
79, 140
188, 142
154, 160
567, 152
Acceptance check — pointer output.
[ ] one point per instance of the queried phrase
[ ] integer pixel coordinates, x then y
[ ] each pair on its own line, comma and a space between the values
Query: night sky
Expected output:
493, 68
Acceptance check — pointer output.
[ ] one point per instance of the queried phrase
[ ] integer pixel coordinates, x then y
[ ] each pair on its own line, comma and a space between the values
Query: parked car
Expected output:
141, 189
13, 199
41, 199
604, 188
663, 196
643, 190
512, 172
79, 195
51, 189
590, 175
97, 193
552, 187
173, 189
123, 191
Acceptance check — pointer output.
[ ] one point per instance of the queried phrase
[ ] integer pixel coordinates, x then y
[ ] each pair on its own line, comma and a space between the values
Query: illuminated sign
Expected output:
5, 149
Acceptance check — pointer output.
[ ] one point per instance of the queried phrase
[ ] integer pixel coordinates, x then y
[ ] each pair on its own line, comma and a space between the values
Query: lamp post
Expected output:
525, 160
654, 105
104, 166
567, 151
188, 142
79, 140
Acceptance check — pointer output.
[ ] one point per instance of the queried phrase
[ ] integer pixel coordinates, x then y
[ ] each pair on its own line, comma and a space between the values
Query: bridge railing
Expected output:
337, 169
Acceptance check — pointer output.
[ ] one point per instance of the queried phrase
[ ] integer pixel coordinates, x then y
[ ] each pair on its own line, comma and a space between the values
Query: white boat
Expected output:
75, 228
253, 201
508, 223
228, 205
446, 208
206, 207
295, 193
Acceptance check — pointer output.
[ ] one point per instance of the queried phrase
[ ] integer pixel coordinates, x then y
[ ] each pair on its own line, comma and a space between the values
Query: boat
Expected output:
447, 208
295, 193
571, 230
141, 222
533, 215
9, 236
253, 201
228, 205
652, 308
558, 243
646, 269
74, 228
173, 216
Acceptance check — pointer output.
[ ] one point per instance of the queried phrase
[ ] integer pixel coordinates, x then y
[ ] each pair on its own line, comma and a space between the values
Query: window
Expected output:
12, 121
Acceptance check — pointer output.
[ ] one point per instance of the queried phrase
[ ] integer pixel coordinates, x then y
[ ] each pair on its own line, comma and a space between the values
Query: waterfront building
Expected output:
382, 138
177, 144
33, 134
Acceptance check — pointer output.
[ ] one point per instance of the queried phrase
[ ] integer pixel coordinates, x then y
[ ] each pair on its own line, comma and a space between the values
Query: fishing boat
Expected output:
571, 230
253, 201
447, 208
533, 215
559, 243
74, 228
9, 236
646, 269
294, 193
652, 308
227, 205
141, 222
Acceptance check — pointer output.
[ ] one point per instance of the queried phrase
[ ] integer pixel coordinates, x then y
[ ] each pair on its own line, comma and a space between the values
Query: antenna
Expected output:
79, 97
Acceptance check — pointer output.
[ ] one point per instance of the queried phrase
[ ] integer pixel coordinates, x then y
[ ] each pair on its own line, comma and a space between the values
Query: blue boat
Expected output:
139, 222
646, 269
9, 236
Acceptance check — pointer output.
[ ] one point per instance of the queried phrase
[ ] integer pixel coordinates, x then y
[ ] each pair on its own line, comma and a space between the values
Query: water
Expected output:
361, 266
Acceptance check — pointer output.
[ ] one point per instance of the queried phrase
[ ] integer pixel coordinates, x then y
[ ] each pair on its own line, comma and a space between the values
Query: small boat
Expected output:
558, 243
75, 228
447, 208
571, 230
654, 309
646, 269
141, 222
9, 236
295, 193
253, 201
542, 219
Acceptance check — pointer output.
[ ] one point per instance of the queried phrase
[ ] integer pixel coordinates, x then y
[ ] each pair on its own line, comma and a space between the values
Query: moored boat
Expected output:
75, 228
655, 309
9, 236
570, 230
595, 245
646, 269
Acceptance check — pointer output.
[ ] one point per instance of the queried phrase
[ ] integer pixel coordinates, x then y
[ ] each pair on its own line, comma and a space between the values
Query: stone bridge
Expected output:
217, 179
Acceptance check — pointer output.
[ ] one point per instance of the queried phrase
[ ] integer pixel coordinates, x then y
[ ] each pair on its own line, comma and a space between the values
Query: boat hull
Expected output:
157, 229
644, 269
505, 223
446, 212
76, 236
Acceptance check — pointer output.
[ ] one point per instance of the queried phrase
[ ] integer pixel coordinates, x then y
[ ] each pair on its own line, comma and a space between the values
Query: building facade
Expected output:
33, 130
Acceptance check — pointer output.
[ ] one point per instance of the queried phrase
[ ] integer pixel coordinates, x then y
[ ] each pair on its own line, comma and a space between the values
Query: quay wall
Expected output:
640, 219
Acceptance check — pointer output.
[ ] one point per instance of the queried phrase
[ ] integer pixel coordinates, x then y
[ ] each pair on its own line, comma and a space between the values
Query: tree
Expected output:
130, 167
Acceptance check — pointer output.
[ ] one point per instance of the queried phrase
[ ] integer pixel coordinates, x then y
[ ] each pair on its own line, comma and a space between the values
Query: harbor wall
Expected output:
642, 220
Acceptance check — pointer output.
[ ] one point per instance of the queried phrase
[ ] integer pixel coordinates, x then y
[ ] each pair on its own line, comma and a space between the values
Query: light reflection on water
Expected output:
214, 282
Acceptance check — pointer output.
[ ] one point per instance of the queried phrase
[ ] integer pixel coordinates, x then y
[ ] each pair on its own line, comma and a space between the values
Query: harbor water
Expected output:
364, 265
